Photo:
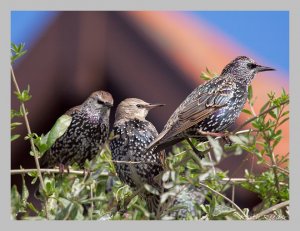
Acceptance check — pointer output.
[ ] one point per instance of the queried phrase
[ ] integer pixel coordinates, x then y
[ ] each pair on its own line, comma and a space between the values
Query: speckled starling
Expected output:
88, 130
132, 133
212, 106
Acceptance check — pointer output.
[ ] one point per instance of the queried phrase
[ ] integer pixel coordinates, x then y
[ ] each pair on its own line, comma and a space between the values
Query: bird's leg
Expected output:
86, 172
227, 140
224, 135
199, 153
61, 168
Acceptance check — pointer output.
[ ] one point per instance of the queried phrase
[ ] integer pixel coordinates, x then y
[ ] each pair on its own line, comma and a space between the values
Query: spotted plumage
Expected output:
88, 130
132, 133
212, 106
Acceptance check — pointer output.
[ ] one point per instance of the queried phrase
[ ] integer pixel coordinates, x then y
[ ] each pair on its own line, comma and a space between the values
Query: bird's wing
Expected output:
194, 112
197, 110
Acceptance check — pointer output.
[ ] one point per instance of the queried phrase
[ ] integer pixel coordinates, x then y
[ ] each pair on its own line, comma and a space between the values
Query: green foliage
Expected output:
102, 196
207, 75
24, 95
17, 51
44, 142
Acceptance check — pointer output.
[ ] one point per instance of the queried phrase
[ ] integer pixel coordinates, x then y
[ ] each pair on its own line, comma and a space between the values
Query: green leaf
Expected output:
283, 121
44, 142
25, 193
24, 95
241, 140
273, 113
221, 211
151, 189
263, 108
166, 176
132, 202
218, 151
15, 124
41, 143
64, 213
15, 201
17, 51
14, 137
285, 113
58, 129
142, 209
247, 111
250, 92
205, 76
34, 175
31, 206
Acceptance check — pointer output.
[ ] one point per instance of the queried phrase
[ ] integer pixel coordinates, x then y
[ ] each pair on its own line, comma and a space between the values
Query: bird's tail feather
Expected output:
153, 203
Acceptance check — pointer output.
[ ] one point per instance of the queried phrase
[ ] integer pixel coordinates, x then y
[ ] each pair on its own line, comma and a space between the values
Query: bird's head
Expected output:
133, 108
244, 69
100, 101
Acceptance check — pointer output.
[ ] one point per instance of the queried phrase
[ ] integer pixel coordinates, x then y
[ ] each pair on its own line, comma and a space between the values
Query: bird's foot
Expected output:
224, 135
62, 168
227, 140
86, 172
196, 151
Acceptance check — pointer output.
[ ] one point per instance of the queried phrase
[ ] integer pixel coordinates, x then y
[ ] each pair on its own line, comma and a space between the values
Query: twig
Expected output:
259, 115
279, 168
55, 170
187, 158
227, 199
92, 204
36, 159
233, 192
270, 210
241, 180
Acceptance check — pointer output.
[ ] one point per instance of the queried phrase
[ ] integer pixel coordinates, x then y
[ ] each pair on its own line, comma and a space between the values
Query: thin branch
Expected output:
279, 168
270, 210
233, 192
260, 114
227, 199
92, 204
36, 159
44, 170
239, 181
187, 158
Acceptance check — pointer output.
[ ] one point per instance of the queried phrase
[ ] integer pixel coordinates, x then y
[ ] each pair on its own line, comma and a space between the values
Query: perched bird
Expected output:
88, 130
212, 107
132, 133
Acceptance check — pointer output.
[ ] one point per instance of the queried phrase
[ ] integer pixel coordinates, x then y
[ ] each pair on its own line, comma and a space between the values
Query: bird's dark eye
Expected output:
251, 65
139, 106
99, 101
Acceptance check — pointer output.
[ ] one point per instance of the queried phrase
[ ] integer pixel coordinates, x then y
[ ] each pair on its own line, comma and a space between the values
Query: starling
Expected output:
132, 133
88, 130
213, 106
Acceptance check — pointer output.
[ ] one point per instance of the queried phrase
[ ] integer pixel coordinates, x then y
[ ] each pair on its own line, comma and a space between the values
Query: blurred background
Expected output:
155, 56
